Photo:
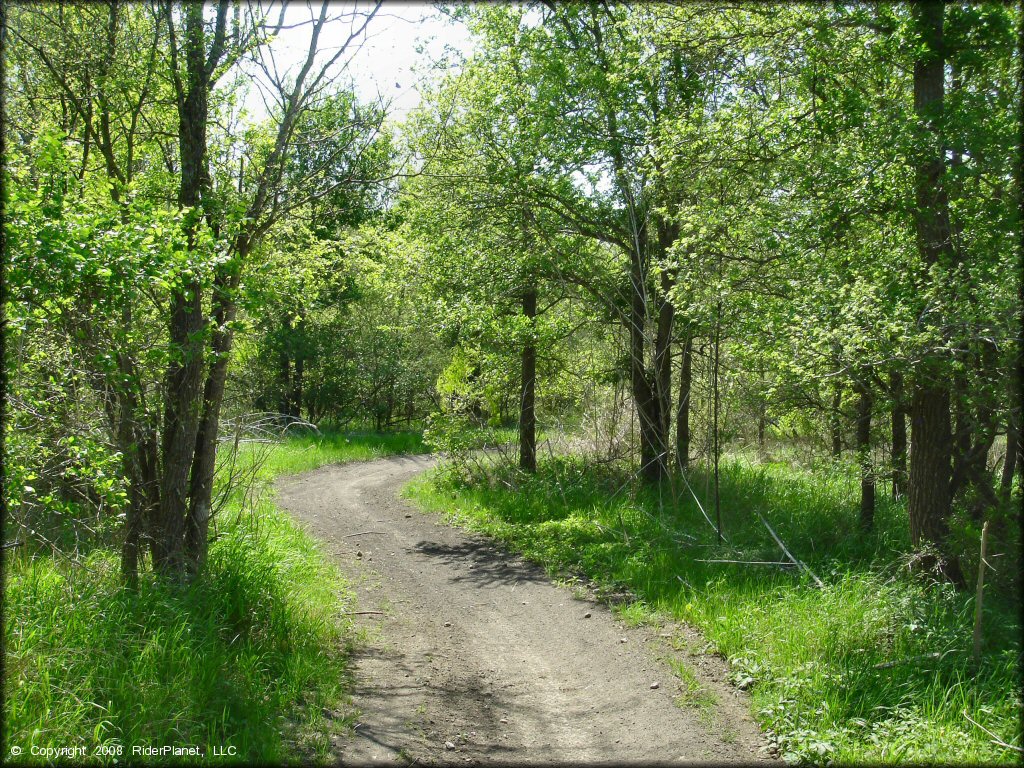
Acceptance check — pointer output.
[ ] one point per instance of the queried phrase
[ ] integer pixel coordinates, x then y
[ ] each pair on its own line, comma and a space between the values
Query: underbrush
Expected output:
875, 666
248, 663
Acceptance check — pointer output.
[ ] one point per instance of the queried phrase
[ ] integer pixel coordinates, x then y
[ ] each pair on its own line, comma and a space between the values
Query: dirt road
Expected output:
479, 658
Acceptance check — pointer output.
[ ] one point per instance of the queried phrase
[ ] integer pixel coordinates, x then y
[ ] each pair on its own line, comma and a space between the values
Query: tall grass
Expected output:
874, 667
251, 660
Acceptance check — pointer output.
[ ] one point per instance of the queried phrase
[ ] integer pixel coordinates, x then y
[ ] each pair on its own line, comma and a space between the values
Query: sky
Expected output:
388, 62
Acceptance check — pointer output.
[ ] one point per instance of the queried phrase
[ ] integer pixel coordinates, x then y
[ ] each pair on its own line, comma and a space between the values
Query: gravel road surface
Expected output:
479, 658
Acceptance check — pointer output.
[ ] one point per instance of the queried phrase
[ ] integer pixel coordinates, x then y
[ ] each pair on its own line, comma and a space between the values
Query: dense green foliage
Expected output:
250, 657
623, 239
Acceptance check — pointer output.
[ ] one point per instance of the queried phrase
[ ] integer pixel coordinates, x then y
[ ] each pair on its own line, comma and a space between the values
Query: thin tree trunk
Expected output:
867, 472
715, 395
667, 233
836, 421
663, 375
899, 436
1010, 460
205, 457
284, 368
683, 409
963, 424
527, 399
300, 369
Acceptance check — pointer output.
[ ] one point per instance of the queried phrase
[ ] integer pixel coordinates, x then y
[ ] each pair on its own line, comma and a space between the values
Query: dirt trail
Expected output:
479, 658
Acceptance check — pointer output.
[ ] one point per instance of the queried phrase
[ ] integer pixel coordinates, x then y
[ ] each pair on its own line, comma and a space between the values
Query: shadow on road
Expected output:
481, 564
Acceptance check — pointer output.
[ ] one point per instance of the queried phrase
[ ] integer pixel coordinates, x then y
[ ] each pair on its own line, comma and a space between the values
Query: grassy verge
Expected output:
874, 667
250, 661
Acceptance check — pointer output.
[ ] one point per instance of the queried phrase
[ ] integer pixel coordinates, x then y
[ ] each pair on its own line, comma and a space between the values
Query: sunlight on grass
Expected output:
248, 658
874, 667
310, 450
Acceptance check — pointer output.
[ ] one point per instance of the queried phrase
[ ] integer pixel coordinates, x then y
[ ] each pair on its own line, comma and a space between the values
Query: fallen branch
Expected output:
908, 660
363, 533
782, 564
363, 613
979, 594
789, 554
995, 739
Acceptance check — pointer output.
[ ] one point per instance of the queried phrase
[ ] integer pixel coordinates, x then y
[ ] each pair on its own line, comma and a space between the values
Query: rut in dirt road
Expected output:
479, 658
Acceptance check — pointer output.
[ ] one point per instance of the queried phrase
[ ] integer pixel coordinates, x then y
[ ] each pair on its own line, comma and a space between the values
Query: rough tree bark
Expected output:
929, 498
204, 461
183, 403
642, 382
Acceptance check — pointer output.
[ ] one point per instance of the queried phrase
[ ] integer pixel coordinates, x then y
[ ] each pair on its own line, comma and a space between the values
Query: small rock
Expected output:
655, 685
524, 602
449, 745
622, 639
586, 615
359, 554
504, 719
447, 623
408, 515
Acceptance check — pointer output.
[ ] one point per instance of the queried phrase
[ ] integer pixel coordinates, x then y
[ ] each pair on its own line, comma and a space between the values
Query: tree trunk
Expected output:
716, 448
1010, 460
837, 421
683, 410
929, 499
181, 425
284, 367
899, 436
663, 376
867, 472
296, 398
652, 444
284, 380
928, 495
527, 400
205, 457
666, 232
962, 431
184, 378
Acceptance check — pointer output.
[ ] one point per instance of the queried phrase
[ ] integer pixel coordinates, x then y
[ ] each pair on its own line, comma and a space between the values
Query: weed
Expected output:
246, 659
874, 667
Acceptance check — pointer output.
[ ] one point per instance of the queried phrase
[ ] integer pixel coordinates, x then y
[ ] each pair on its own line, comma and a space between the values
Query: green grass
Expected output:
252, 659
842, 673
309, 450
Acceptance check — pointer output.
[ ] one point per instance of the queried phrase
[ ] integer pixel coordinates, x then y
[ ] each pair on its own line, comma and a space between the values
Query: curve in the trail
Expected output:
478, 657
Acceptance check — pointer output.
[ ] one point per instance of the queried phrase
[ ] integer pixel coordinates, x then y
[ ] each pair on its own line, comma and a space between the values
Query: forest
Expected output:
711, 311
